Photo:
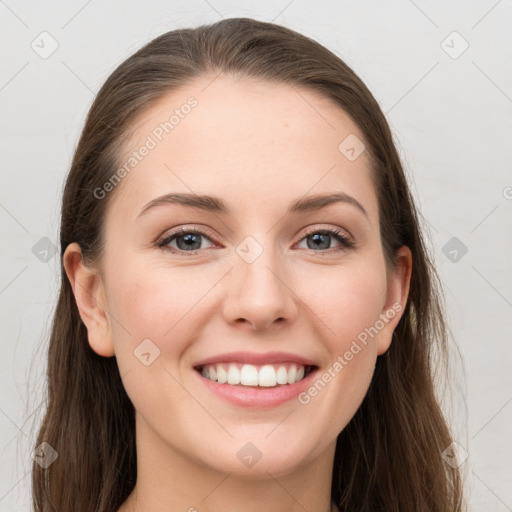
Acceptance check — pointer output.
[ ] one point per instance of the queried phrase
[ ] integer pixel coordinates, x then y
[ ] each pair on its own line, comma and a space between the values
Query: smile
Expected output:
245, 374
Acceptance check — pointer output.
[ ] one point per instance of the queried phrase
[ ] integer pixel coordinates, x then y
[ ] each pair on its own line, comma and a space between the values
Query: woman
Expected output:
248, 316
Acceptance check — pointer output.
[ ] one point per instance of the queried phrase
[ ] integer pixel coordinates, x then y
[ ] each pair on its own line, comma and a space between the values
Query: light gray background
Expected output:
453, 125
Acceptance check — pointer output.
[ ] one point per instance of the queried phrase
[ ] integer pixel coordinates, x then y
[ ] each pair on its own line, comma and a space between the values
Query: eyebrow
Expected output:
217, 205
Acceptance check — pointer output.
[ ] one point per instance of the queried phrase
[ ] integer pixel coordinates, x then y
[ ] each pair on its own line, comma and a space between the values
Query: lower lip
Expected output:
260, 397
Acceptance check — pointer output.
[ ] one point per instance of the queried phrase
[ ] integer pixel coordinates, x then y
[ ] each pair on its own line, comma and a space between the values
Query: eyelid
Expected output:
201, 230
315, 228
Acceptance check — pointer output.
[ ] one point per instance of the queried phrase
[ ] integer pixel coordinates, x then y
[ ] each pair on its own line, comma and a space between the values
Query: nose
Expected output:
259, 295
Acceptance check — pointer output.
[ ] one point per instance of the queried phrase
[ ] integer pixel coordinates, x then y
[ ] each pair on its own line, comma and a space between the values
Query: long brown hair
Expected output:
389, 455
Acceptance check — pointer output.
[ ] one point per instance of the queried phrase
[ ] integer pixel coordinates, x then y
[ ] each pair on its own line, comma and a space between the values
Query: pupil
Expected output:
316, 238
189, 240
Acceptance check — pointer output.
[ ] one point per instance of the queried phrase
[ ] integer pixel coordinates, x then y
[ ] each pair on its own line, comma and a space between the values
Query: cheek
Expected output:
153, 303
155, 315
347, 300
348, 306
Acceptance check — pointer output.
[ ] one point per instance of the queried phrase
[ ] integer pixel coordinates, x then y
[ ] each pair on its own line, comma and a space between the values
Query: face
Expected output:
259, 281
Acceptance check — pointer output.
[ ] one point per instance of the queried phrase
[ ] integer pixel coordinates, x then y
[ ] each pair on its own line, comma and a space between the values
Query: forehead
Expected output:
251, 142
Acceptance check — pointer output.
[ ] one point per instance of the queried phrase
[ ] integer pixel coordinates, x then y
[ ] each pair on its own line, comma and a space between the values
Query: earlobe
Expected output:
396, 300
90, 299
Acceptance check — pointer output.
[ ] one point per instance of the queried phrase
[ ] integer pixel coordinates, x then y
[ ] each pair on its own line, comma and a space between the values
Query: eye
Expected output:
188, 240
185, 240
322, 239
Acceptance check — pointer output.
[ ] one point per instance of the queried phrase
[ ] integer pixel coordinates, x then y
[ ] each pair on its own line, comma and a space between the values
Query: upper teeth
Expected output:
267, 375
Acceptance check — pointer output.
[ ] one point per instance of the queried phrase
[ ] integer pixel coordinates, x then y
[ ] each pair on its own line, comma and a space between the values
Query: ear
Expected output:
90, 299
396, 299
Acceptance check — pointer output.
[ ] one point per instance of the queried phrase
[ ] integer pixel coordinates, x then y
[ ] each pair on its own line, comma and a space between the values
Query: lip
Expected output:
257, 397
256, 359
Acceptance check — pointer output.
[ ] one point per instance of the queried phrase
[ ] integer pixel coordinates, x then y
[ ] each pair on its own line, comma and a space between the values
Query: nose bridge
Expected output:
258, 265
258, 292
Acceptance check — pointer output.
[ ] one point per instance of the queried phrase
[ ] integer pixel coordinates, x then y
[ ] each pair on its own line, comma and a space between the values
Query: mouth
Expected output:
256, 380
246, 375
258, 387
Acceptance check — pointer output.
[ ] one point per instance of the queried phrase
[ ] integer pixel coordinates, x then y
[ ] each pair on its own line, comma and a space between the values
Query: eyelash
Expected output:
344, 240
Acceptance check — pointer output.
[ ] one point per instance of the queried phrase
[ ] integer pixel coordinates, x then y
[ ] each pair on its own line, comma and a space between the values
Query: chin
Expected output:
256, 457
